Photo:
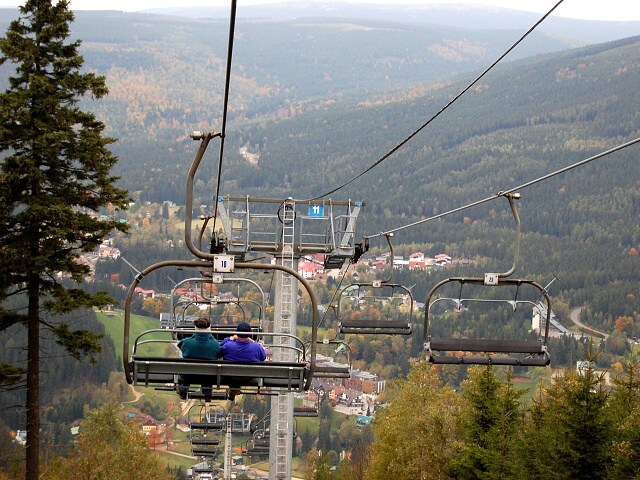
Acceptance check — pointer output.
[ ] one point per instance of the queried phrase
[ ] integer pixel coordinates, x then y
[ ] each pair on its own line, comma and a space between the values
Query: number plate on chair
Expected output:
490, 278
223, 263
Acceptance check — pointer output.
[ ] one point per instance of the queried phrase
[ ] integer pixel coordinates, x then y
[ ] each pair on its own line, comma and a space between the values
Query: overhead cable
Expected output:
232, 26
439, 112
512, 190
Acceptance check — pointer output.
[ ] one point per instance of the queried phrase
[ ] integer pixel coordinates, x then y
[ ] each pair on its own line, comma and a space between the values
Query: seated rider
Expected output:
201, 345
241, 347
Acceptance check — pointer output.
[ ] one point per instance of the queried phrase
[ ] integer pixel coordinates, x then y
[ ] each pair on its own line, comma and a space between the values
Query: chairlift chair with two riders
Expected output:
263, 377
373, 298
489, 351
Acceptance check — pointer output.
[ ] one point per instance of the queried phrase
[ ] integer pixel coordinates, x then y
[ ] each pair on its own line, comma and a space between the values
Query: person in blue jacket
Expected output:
201, 345
241, 347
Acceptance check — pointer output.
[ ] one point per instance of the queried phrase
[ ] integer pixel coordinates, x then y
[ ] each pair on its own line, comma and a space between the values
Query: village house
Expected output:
365, 382
144, 293
311, 268
149, 425
417, 261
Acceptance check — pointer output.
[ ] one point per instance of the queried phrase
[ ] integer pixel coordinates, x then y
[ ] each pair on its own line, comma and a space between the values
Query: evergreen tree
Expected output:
490, 419
325, 414
624, 406
569, 430
55, 174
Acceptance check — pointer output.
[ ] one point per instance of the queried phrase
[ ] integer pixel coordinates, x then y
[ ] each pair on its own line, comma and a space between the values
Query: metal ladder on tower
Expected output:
284, 409
228, 444
287, 283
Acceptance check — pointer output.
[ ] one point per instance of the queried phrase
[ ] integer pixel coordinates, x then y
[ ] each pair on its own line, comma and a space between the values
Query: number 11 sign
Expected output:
316, 210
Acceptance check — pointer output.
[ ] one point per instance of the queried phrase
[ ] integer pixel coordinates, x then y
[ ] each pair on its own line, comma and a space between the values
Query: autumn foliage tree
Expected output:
54, 179
416, 434
108, 447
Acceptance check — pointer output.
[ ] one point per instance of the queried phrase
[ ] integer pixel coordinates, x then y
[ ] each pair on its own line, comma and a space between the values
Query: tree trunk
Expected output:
33, 381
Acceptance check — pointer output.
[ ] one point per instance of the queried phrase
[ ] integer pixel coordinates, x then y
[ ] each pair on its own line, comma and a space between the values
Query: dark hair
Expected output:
202, 322
244, 327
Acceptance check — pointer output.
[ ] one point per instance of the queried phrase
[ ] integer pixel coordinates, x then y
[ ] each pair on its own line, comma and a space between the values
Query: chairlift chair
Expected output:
486, 351
261, 377
377, 294
333, 369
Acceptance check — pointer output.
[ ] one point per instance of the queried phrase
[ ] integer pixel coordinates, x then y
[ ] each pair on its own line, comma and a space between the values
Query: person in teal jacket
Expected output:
201, 345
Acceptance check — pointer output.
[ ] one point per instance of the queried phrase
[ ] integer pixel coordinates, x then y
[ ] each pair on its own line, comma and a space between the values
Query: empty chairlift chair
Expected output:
486, 351
378, 307
333, 359
490, 351
370, 303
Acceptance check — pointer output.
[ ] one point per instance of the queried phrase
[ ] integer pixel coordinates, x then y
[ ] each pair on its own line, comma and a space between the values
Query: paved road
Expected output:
574, 315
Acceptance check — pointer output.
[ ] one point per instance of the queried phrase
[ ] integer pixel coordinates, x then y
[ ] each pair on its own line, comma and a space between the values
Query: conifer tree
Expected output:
54, 177
569, 429
490, 419
624, 406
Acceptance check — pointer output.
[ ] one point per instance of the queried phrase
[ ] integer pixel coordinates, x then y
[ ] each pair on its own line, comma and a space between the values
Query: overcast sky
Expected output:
586, 9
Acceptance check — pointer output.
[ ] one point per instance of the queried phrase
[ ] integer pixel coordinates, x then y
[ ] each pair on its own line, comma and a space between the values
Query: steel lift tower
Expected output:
288, 229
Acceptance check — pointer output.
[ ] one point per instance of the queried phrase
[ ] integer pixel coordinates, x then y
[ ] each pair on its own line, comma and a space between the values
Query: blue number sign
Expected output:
316, 210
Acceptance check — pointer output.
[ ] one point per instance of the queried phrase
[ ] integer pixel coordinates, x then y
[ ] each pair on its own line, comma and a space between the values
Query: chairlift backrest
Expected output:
372, 299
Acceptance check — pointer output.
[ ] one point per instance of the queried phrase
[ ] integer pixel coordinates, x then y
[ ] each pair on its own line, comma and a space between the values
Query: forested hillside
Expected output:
166, 76
315, 102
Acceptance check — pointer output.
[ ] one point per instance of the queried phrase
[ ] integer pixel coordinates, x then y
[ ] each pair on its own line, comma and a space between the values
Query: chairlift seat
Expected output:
487, 345
197, 469
537, 352
257, 451
204, 452
305, 412
204, 441
281, 375
207, 425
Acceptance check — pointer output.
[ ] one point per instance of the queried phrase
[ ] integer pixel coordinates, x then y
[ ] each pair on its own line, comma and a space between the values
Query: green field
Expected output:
114, 328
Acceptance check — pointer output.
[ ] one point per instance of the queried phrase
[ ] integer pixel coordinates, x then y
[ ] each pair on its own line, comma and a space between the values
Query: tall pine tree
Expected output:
55, 174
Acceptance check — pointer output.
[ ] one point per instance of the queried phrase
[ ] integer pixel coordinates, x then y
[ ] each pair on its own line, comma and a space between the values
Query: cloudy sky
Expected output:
586, 9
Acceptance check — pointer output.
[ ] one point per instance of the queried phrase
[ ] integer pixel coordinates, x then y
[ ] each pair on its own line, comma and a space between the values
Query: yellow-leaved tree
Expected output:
416, 434
108, 447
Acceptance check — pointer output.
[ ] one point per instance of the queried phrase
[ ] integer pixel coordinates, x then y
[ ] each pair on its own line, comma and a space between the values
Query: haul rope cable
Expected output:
232, 24
514, 189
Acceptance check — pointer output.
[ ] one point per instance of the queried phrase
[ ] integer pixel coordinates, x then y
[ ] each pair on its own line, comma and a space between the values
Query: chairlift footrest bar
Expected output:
489, 360
331, 372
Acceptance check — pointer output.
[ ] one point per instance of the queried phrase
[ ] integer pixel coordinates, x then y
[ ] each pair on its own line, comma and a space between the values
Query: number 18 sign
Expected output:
223, 263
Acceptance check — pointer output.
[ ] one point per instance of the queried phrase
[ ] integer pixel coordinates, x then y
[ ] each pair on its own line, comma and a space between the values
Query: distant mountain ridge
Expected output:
579, 32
